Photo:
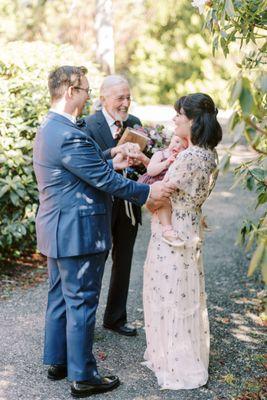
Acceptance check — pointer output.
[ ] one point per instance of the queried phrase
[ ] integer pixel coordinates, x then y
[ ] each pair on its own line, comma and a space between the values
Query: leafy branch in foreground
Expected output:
239, 28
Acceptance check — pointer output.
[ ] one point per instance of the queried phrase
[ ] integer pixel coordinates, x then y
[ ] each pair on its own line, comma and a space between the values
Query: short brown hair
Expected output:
62, 78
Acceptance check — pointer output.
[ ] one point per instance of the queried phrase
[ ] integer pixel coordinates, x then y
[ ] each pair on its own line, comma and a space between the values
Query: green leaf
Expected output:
3, 190
14, 198
225, 162
224, 46
215, 44
256, 258
236, 91
261, 83
264, 267
237, 181
250, 241
246, 100
259, 173
229, 8
250, 183
262, 199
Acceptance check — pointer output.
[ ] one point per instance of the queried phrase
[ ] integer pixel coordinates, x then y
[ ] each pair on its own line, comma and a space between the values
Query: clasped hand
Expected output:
160, 193
128, 154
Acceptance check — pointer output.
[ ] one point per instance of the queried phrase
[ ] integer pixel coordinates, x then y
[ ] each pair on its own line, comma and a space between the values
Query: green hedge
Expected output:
23, 103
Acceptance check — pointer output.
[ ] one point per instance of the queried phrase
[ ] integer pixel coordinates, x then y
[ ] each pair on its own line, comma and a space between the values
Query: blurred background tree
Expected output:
171, 57
163, 50
158, 45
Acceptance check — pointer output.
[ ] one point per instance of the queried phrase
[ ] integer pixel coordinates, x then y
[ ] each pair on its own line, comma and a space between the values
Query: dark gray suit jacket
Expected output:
97, 127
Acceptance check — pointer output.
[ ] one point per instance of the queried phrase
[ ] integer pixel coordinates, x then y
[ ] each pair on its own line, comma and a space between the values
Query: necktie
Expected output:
119, 130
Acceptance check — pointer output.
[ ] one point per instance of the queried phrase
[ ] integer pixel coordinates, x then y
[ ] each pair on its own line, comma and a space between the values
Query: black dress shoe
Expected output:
57, 372
86, 389
122, 330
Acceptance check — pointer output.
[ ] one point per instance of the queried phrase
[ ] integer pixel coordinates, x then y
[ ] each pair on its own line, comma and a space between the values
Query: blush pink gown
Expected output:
176, 318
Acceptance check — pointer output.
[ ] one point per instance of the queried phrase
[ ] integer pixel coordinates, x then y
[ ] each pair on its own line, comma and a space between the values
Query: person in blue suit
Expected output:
75, 184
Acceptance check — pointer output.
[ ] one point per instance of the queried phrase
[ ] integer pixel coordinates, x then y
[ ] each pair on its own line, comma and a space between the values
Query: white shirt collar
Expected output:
69, 116
109, 119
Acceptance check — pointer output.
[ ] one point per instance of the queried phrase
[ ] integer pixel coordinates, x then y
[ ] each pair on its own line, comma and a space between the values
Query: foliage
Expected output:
58, 22
23, 103
169, 56
159, 45
235, 23
159, 137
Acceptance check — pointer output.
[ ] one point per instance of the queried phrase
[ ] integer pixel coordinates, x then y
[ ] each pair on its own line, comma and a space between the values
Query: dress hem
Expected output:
175, 386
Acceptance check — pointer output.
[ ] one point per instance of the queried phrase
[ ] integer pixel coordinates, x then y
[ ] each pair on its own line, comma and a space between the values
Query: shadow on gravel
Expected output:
236, 358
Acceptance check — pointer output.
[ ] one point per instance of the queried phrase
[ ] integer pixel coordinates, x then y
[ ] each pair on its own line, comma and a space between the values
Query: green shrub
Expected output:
24, 101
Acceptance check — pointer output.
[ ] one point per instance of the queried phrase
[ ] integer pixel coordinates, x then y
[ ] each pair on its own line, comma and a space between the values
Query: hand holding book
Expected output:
131, 135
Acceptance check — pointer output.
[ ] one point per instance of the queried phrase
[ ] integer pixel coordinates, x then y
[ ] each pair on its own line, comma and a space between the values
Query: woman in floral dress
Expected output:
176, 319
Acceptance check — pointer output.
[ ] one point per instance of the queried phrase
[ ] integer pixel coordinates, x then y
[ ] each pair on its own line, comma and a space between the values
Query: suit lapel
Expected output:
66, 121
103, 131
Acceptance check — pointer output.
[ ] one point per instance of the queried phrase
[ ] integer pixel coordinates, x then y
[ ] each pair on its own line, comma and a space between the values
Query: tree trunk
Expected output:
104, 35
32, 28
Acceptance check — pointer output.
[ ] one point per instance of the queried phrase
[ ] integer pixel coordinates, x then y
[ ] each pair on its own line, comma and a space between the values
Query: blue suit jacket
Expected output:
75, 183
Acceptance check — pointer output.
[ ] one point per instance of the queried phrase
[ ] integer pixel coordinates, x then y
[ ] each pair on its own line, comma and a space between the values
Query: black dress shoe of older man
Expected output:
122, 330
57, 372
86, 389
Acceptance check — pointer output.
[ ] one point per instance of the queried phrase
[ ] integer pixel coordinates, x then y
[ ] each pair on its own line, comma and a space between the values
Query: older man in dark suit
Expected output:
106, 127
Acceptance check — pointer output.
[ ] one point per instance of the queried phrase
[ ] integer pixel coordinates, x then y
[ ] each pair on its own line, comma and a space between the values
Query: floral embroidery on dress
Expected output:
176, 318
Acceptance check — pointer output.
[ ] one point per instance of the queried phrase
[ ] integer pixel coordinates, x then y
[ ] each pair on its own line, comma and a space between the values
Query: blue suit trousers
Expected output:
74, 289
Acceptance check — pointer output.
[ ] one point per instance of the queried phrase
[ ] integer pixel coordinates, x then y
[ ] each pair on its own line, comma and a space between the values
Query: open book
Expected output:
134, 136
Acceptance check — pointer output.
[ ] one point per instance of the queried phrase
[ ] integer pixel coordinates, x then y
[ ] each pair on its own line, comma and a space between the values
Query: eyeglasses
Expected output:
88, 90
122, 98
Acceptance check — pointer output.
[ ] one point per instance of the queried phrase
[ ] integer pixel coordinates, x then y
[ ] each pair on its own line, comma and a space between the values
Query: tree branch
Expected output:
256, 127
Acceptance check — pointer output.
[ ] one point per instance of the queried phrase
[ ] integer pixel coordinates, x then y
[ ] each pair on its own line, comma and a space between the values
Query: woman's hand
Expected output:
141, 158
170, 160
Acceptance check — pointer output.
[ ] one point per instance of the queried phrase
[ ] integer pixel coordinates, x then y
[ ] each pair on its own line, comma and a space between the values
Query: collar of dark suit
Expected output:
100, 118
103, 130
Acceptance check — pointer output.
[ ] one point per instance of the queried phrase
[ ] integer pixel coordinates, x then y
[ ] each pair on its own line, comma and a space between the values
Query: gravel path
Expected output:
236, 342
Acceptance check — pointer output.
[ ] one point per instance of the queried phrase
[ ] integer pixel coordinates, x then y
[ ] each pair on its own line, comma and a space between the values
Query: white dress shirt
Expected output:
111, 123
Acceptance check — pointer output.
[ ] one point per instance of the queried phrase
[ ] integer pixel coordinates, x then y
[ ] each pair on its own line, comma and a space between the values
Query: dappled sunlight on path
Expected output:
236, 332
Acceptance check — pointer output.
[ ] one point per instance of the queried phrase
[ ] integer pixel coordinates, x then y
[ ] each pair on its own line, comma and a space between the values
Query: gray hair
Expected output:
108, 82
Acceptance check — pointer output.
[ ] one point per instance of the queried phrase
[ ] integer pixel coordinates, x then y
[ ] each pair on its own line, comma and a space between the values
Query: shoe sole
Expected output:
120, 333
53, 378
91, 392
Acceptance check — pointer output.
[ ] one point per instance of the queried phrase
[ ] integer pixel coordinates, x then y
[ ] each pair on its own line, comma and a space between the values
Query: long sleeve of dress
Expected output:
191, 172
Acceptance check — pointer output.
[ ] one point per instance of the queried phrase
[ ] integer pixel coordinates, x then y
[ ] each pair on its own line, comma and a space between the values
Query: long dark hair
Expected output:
200, 108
